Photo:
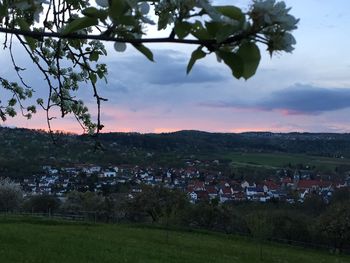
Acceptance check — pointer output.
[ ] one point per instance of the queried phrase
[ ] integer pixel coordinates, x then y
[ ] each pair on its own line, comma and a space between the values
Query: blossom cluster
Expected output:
274, 22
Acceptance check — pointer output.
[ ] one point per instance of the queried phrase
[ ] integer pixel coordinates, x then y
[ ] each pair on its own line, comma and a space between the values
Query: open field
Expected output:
277, 160
35, 240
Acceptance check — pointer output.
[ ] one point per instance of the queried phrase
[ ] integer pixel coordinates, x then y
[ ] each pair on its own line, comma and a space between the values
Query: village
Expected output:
197, 184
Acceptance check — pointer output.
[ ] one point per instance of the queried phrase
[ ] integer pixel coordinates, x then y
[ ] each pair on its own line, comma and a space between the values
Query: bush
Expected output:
42, 204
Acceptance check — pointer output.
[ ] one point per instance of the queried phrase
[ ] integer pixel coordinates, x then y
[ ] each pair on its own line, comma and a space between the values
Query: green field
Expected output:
34, 240
278, 160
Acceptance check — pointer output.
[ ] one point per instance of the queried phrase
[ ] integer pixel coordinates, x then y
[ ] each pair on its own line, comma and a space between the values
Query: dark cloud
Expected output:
169, 68
298, 99
172, 70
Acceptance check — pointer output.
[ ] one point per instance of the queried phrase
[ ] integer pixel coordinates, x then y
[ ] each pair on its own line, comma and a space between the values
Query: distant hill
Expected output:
22, 151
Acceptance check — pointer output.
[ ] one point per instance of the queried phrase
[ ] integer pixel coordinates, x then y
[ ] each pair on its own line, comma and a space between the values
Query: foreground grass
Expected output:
36, 241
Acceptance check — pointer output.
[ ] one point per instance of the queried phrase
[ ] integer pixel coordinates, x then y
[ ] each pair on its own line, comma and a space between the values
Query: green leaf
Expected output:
233, 61
23, 25
213, 27
182, 29
163, 20
197, 54
250, 55
79, 24
127, 20
3, 11
96, 13
144, 50
231, 12
94, 56
199, 31
244, 62
225, 32
117, 9
93, 78
220, 31
12, 102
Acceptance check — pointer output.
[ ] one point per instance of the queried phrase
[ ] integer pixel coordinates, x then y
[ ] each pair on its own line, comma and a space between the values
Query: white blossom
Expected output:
283, 42
269, 12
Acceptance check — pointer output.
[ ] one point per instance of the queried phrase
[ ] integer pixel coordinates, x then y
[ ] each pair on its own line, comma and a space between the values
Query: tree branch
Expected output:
102, 37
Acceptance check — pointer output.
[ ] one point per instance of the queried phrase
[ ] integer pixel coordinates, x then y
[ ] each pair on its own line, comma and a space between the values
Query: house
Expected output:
212, 192
210, 179
303, 175
250, 191
287, 182
226, 198
143, 175
53, 171
236, 187
122, 179
225, 190
308, 185
239, 196
193, 196
255, 193
158, 179
136, 190
70, 170
198, 186
225, 194
109, 174
246, 184
341, 184
270, 185
277, 194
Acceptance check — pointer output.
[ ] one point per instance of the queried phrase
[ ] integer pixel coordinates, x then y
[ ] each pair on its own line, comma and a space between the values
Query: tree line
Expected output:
311, 224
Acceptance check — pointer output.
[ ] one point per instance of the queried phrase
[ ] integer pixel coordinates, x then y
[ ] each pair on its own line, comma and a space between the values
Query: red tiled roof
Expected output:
211, 189
198, 185
308, 184
271, 185
226, 190
287, 180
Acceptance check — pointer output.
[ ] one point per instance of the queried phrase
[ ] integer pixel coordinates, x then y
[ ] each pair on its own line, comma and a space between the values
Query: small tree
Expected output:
11, 195
42, 204
335, 225
83, 202
260, 227
157, 202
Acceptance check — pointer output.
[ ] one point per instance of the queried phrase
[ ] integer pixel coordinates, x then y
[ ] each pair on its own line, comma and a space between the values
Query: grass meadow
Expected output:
278, 160
33, 240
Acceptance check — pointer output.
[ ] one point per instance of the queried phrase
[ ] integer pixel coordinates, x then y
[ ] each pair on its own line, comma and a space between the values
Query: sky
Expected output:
306, 91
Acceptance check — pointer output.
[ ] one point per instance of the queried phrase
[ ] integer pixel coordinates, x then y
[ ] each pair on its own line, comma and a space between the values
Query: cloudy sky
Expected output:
308, 90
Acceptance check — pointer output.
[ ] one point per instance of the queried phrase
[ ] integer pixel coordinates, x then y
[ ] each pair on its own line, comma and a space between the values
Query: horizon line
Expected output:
174, 131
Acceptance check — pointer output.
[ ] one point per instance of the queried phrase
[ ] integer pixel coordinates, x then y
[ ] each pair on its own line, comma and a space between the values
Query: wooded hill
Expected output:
24, 151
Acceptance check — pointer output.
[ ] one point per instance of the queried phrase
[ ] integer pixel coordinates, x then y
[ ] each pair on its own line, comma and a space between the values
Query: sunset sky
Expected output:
306, 91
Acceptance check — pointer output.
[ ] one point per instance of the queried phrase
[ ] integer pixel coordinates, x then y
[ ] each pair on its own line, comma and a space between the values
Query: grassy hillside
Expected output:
33, 240
278, 160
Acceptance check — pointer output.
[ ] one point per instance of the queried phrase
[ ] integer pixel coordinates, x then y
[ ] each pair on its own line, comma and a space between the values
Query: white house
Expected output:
109, 174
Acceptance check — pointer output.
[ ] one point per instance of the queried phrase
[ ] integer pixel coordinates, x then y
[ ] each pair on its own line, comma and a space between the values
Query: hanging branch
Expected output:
64, 46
